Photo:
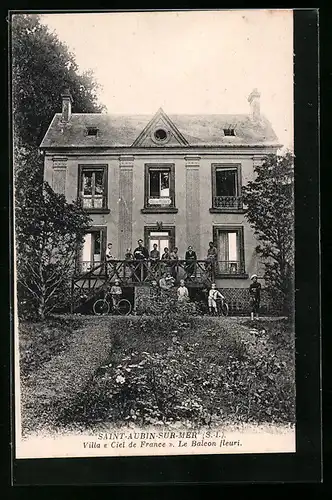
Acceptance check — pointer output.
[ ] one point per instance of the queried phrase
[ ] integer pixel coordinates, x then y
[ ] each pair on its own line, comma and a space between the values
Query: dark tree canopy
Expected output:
48, 230
270, 211
42, 67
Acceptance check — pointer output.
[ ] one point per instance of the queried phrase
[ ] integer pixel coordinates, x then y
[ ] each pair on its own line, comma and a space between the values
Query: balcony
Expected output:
227, 204
136, 272
91, 278
230, 269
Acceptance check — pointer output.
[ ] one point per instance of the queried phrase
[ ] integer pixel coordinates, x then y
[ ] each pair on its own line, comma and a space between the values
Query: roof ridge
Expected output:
123, 129
151, 114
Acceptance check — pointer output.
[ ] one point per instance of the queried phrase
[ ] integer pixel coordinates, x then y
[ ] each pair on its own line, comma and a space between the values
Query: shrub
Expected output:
167, 314
201, 374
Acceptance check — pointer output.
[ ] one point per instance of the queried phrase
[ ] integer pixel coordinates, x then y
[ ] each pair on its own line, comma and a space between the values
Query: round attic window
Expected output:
160, 135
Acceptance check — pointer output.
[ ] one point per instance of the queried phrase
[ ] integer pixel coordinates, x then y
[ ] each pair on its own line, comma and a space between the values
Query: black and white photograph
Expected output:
153, 181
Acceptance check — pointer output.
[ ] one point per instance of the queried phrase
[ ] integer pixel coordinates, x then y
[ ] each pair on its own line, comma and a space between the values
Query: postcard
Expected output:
154, 233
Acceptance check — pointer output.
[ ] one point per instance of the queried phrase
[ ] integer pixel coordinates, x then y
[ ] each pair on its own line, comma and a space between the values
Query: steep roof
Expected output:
122, 130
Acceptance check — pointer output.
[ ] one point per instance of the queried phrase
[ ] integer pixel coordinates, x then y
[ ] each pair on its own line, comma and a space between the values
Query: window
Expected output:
93, 187
229, 132
159, 185
226, 187
160, 134
159, 188
92, 131
229, 243
226, 182
93, 249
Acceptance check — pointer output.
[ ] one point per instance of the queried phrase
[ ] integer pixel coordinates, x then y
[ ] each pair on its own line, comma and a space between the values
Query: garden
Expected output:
85, 372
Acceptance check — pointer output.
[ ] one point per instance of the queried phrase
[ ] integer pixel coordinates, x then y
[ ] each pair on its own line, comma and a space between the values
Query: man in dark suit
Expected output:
154, 257
141, 254
190, 258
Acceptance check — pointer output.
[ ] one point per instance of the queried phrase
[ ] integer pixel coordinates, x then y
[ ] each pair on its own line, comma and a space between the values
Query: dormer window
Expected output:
92, 131
229, 132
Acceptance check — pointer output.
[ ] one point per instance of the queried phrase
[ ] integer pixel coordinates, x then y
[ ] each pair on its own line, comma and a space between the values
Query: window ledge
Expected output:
97, 210
243, 276
227, 210
159, 210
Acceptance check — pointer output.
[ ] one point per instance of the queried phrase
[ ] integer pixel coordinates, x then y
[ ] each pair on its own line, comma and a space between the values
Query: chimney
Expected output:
66, 105
254, 101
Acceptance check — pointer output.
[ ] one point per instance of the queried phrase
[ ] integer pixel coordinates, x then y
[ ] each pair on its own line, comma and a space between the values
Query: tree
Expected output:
48, 233
269, 201
42, 67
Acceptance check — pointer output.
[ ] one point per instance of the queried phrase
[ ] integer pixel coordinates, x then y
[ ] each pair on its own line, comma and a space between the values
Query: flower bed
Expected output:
200, 371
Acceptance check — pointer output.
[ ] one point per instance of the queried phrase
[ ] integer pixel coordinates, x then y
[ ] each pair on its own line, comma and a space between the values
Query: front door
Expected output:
161, 239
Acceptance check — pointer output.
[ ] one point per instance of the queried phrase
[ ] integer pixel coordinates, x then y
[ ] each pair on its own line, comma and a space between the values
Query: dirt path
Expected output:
57, 382
88, 348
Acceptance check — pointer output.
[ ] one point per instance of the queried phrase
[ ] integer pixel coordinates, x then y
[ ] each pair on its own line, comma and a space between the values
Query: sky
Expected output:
187, 62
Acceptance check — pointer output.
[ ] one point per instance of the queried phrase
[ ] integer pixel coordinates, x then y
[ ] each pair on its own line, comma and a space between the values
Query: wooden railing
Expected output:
230, 268
93, 277
140, 271
227, 202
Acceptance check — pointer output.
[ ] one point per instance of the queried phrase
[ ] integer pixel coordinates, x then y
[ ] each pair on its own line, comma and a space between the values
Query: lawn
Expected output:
39, 342
143, 370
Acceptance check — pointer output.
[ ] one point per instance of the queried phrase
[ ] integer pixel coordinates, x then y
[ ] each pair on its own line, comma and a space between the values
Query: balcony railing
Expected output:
231, 267
227, 202
145, 271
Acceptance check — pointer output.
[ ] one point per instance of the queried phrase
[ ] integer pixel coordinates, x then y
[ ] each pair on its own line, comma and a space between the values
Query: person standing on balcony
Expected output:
141, 253
190, 258
166, 256
129, 255
154, 257
211, 259
109, 256
174, 256
128, 267
155, 254
254, 296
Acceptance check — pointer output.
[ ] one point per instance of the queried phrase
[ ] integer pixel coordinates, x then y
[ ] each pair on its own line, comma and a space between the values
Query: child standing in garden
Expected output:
254, 296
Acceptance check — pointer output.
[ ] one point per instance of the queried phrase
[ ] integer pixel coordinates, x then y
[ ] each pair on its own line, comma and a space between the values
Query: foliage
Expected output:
42, 67
48, 232
166, 313
211, 373
270, 211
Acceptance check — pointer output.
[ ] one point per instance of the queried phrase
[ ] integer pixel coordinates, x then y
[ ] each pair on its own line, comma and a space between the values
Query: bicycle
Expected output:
103, 306
222, 307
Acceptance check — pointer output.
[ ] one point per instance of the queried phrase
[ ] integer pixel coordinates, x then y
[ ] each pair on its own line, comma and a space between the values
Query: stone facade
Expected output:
190, 156
193, 222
